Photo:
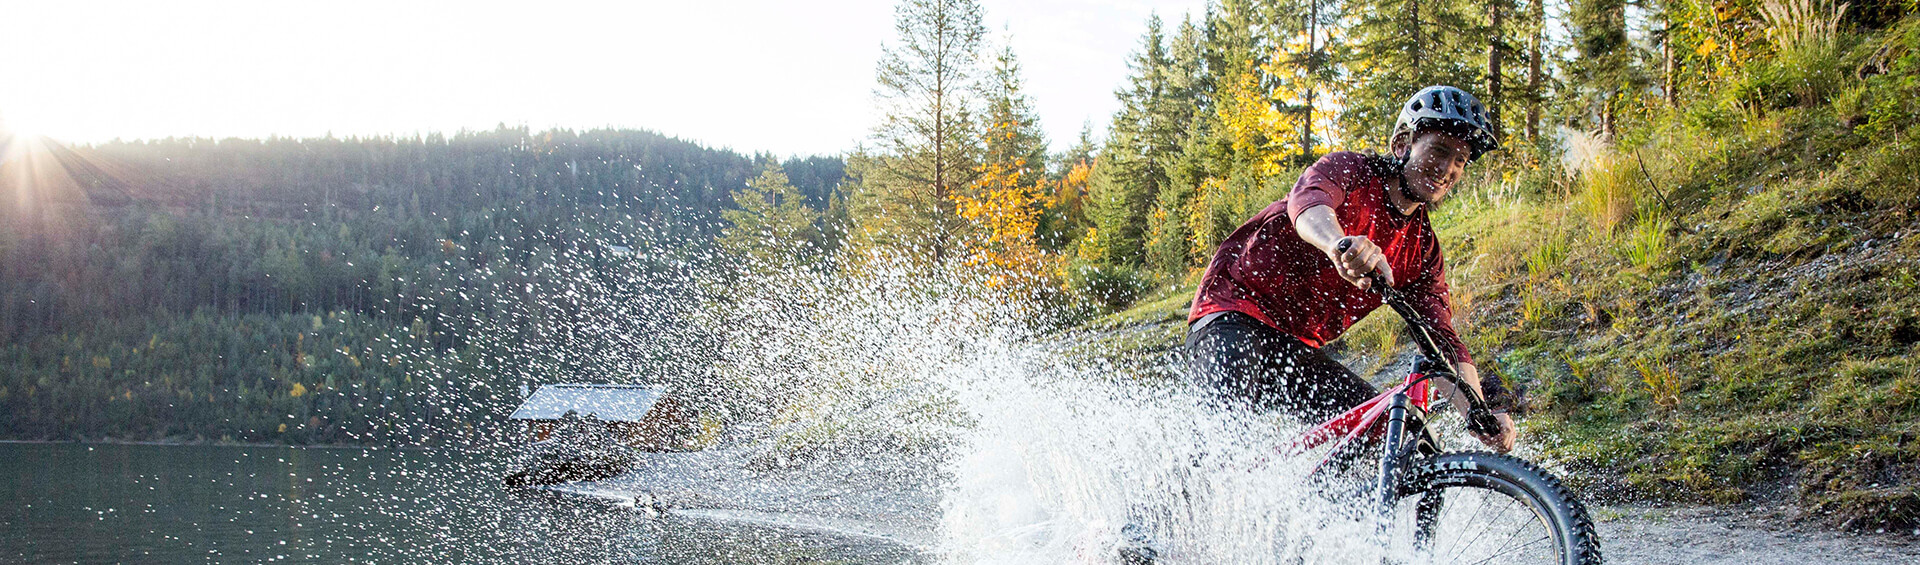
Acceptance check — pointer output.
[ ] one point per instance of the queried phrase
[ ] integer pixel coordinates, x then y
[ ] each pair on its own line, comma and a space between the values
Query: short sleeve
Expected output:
1326, 182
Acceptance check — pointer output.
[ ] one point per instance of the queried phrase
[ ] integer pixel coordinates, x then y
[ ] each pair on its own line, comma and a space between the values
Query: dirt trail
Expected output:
1739, 536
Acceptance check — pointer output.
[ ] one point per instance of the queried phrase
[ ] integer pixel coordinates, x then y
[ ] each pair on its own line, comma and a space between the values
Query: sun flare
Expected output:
20, 126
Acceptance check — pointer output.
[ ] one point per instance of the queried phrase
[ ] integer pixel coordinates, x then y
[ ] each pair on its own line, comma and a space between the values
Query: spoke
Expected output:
1482, 502
1505, 504
1493, 510
1516, 531
1523, 546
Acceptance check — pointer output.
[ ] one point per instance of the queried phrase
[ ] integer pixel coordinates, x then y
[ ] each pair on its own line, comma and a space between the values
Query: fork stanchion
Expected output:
1386, 487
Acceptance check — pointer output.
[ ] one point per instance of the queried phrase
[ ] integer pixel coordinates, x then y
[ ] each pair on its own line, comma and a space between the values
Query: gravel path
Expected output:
1739, 536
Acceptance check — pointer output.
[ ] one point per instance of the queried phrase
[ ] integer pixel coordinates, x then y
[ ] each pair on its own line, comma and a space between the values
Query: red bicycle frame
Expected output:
1360, 419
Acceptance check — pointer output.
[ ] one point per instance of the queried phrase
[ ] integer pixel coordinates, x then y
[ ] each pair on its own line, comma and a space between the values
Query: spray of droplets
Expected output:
1044, 457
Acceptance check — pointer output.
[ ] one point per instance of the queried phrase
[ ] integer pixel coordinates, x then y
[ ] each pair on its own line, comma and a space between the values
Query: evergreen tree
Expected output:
1144, 144
1012, 129
1536, 65
771, 223
1179, 120
1396, 47
928, 147
1602, 71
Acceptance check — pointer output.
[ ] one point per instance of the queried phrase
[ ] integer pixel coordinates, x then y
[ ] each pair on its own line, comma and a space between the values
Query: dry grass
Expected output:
1609, 189
1796, 26
1662, 384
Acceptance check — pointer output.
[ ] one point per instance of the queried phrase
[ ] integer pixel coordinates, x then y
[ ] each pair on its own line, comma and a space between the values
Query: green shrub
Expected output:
1113, 286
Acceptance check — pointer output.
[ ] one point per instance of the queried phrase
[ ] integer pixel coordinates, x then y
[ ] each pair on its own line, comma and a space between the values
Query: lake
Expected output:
79, 503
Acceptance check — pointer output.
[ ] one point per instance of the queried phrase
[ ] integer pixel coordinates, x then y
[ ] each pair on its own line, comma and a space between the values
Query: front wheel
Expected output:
1487, 508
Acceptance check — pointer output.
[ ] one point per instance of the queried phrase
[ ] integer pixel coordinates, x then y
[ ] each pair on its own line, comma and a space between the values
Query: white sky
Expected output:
789, 77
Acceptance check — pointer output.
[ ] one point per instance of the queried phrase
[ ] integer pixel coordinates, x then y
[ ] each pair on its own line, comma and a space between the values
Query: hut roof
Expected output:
609, 403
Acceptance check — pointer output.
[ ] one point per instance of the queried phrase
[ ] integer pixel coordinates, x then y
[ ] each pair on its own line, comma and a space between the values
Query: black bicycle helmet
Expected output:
1448, 109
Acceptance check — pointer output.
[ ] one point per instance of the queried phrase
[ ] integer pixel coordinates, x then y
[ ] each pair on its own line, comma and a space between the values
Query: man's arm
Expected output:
1319, 226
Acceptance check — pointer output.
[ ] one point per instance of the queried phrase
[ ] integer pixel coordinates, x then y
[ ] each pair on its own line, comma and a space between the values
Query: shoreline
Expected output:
165, 443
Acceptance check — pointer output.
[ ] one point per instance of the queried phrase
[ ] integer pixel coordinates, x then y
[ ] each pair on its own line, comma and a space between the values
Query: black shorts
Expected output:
1245, 364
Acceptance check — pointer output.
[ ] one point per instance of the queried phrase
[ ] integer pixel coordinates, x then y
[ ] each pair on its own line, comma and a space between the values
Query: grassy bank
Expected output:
1728, 314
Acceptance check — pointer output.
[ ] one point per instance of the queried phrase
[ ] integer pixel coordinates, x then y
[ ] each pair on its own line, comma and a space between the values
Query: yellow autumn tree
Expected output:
1070, 193
1006, 201
1255, 129
1005, 204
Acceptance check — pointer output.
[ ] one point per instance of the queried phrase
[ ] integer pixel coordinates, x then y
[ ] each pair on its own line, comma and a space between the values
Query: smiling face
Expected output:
1435, 161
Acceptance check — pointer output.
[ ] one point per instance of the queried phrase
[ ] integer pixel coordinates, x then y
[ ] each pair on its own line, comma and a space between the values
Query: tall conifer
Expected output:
1603, 68
927, 148
1133, 165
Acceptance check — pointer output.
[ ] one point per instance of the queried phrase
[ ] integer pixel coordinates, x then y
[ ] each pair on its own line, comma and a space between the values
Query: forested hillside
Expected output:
1695, 249
291, 289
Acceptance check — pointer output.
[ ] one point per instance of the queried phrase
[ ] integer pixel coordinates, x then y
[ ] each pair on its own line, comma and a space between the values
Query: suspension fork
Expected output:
1387, 485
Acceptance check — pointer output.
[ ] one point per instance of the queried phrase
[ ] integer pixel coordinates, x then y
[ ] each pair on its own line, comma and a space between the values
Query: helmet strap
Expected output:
1395, 166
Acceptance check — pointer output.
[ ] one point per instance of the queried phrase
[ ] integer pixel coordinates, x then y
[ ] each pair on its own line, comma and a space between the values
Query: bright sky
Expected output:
783, 76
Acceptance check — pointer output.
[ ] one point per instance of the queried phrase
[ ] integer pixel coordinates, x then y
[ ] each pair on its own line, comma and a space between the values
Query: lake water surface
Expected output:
73, 503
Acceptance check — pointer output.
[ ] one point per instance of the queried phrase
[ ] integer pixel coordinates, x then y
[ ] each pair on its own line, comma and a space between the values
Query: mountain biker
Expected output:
1278, 288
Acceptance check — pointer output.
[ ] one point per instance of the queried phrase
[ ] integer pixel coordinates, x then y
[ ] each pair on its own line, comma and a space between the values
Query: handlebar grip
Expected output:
1379, 280
1480, 420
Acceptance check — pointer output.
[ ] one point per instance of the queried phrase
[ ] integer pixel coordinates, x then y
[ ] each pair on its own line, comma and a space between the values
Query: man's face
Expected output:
1435, 163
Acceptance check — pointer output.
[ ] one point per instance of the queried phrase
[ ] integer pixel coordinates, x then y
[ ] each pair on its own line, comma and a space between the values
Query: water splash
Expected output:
1063, 460
1045, 455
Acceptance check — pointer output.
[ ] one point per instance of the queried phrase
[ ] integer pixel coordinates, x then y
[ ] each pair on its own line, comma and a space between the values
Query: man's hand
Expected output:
1504, 442
1320, 227
1360, 258
1471, 375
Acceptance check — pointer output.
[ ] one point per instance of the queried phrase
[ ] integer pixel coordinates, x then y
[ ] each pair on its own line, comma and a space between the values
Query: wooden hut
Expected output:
638, 416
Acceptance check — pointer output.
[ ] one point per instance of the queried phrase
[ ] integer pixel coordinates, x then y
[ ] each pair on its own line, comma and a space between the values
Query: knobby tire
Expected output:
1566, 531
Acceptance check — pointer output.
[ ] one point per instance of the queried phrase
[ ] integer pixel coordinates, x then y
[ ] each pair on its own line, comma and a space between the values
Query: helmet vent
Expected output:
1416, 105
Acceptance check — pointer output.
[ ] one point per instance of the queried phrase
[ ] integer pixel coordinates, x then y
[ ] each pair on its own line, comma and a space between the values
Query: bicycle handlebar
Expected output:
1480, 419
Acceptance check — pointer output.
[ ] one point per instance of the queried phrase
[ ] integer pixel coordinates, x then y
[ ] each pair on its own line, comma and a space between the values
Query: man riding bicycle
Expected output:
1295, 276
1298, 274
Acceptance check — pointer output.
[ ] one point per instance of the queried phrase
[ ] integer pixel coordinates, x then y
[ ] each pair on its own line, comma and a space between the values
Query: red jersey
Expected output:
1265, 270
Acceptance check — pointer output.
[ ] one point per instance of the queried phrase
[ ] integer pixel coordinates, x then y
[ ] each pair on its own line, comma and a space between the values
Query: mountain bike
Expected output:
1436, 506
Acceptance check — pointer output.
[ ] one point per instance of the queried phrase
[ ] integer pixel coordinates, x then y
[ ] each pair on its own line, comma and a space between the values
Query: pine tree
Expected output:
1536, 65
1603, 68
771, 223
1179, 122
928, 146
1396, 47
1144, 144
1494, 96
